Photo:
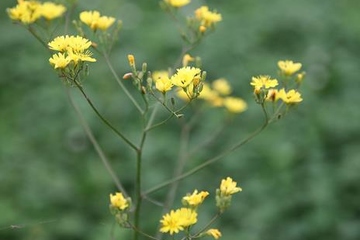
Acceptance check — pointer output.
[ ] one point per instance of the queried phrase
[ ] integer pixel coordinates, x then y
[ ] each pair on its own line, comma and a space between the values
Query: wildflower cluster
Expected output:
184, 218
28, 12
265, 87
71, 49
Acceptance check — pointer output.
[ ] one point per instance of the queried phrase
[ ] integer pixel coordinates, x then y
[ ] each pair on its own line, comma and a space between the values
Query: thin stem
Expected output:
32, 31
103, 119
96, 145
141, 232
209, 161
117, 78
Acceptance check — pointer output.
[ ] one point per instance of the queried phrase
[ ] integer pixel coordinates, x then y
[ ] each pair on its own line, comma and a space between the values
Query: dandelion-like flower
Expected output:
59, 60
234, 104
176, 221
288, 67
195, 199
185, 76
118, 201
177, 3
26, 12
222, 86
95, 21
206, 17
290, 97
163, 85
215, 233
263, 81
228, 187
51, 10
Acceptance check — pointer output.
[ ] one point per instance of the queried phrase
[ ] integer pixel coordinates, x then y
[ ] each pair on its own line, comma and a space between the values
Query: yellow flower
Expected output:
75, 43
131, 60
177, 3
206, 17
196, 198
171, 223
159, 74
263, 82
290, 97
215, 233
95, 21
185, 76
51, 10
118, 201
222, 86
176, 221
81, 56
228, 187
163, 84
186, 59
288, 68
26, 12
211, 96
234, 104
59, 60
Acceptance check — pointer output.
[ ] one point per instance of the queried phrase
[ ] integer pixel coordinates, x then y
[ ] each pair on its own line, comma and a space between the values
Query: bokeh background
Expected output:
300, 177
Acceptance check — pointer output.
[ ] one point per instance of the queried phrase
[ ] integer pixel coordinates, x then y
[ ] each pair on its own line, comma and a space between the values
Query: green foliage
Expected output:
299, 178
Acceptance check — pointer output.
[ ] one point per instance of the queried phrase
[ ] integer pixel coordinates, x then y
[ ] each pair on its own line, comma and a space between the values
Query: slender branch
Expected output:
117, 78
209, 161
96, 145
132, 145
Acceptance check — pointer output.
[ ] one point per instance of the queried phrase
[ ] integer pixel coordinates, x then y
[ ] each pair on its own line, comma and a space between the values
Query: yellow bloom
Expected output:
177, 3
59, 60
163, 84
235, 105
171, 223
95, 21
263, 82
196, 198
176, 221
185, 76
51, 10
211, 96
118, 201
288, 68
222, 86
290, 97
75, 43
186, 59
81, 56
206, 17
215, 233
159, 74
131, 60
26, 12
228, 187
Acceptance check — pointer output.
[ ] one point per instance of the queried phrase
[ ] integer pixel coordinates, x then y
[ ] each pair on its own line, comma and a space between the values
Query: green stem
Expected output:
117, 78
209, 161
96, 145
107, 123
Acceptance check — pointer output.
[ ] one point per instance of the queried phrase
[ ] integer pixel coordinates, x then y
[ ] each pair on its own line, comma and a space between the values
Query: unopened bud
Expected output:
202, 29
127, 76
131, 60
143, 90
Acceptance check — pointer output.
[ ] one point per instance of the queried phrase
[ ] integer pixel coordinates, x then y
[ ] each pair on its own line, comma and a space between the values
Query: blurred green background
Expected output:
300, 178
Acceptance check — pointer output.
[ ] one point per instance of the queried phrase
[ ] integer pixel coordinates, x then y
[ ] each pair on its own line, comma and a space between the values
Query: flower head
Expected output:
290, 97
234, 104
263, 81
26, 12
228, 187
51, 10
195, 199
95, 21
177, 3
288, 67
176, 221
59, 60
118, 201
206, 17
222, 86
185, 76
186, 59
215, 233
163, 84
